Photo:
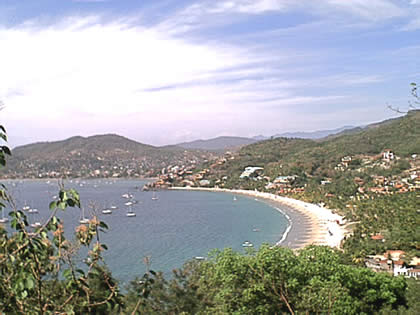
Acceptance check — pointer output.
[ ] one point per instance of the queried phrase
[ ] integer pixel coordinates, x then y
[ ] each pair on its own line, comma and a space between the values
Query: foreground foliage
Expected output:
39, 274
273, 280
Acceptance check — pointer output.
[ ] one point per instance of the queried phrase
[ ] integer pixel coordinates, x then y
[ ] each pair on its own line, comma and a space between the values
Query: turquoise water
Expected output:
178, 226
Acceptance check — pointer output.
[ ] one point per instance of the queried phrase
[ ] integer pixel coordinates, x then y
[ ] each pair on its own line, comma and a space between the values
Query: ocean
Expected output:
174, 228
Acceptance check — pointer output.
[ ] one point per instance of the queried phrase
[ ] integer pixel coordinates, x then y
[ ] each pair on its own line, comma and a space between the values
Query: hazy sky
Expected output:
166, 71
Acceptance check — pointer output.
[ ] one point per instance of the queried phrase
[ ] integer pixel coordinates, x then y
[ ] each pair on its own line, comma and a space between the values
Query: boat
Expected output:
199, 258
256, 230
234, 198
154, 197
129, 203
33, 210
3, 218
83, 219
36, 224
130, 213
26, 208
127, 195
107, 211
247, 244
113, 207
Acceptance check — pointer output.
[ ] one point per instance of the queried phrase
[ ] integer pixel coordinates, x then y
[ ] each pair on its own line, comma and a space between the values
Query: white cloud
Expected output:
83, 76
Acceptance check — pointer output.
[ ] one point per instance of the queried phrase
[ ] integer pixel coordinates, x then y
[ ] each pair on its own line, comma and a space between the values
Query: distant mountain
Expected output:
313, 134
313, 160
217, 144
97, 156
319, 134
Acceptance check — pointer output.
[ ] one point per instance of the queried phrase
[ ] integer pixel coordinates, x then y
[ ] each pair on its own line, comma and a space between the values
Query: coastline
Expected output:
308, 223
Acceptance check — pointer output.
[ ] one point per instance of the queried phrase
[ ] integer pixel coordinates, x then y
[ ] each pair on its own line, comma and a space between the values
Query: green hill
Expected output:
218, 144
309, 158
96, 156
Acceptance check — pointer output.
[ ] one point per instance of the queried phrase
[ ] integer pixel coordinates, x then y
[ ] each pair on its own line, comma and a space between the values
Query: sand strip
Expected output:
308, 223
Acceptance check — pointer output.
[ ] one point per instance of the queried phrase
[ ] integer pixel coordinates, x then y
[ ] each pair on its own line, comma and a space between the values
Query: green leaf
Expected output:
67, 273
103, 225
6, 150
53, 205
29, 283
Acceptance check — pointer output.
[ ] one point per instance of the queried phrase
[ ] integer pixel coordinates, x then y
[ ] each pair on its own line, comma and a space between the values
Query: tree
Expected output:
37, 271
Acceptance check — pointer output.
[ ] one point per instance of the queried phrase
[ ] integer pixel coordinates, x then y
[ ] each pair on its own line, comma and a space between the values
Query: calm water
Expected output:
177, 227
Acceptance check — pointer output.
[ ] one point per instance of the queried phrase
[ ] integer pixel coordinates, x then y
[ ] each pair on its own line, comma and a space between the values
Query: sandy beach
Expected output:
308, 223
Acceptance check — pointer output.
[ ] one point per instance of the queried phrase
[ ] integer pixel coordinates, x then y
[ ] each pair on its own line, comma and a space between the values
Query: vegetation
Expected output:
96, 156
39, 274
273, 280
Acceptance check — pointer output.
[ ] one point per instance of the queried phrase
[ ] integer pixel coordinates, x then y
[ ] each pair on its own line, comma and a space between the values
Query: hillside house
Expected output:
392, 262
250, 170
388, 155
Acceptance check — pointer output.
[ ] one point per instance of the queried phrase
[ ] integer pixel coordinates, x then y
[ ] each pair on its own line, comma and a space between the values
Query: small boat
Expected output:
83, 219
154, 197
33, 210
129, 203
36, 224
3, 218
113, 207
256, 230
107, 211
234, 198
247, 244
199, 258
125, 196
26, 208
130, 213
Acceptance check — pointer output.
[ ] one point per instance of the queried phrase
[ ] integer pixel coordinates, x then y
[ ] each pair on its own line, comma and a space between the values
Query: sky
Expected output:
167, 71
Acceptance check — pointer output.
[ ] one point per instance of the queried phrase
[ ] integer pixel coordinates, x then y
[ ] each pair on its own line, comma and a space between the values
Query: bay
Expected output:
176, 227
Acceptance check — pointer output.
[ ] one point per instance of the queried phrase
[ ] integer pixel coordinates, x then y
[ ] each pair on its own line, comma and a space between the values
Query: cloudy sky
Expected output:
166, 71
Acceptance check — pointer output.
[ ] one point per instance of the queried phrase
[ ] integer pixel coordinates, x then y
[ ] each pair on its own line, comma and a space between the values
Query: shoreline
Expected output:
308, 223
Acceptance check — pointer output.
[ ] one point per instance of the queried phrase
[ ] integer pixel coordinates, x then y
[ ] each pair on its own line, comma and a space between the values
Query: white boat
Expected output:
129, 203
234, 198
33, 210
200, 258
107, 211
83, 219
113, 207
154, 197
26, 208
36, 224
3, 218
130, 213
125, 196
247, 244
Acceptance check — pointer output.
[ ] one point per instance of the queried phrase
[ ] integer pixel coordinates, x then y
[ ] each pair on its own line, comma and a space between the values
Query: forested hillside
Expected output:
97, 156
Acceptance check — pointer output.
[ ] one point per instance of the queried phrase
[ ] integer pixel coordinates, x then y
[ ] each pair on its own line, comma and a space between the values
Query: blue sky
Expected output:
163, 72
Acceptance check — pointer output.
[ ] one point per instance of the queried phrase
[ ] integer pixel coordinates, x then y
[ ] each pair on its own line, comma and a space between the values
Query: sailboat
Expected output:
36, 223
34, 210
83, 219
106, 211
3, 218
234, 198
154, 197
130, 213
